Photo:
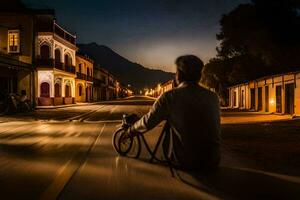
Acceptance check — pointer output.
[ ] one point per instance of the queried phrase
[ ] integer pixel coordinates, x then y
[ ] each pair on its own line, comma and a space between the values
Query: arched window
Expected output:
57, 56
88, 71
68, 60
57, 90
80, 90
68, 91
45, 51
80, 70
45, 89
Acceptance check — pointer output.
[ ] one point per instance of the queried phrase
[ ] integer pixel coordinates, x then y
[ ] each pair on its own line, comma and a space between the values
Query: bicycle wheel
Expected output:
131, 147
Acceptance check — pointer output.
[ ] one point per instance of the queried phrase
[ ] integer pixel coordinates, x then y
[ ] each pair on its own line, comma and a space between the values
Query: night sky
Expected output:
150, 32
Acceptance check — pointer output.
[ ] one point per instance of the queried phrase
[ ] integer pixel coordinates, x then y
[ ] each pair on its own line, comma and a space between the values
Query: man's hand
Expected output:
126, 135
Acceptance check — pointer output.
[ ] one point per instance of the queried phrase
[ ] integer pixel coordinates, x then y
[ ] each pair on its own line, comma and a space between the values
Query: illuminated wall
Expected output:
48, 77
268, 101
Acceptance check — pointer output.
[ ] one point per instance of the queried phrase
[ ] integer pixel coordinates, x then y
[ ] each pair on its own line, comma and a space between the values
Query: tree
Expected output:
220, 73
266, 29
256, 39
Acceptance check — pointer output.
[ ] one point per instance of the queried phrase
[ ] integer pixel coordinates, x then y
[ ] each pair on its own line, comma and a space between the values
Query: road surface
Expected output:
67, 153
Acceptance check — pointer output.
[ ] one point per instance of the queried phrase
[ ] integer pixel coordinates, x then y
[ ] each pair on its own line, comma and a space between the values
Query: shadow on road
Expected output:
232, 183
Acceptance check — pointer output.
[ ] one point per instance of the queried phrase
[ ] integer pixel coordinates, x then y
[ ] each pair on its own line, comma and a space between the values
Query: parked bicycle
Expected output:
132, 146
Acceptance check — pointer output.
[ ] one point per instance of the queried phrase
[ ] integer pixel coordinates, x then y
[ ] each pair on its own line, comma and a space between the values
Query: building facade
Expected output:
100, 84
84, 79
272, 94
56, 60
40, 57
112, 87
16, 51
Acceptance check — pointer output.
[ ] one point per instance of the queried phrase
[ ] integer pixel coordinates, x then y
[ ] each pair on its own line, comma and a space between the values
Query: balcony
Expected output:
70, 69
59, 65
111, 83
51, 63
46, 25
45, 63
89, 78
81, 76
99, 82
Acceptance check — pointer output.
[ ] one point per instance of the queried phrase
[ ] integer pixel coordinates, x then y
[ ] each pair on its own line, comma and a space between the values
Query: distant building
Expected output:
112, 87
100, 90
84, 79
166, 86
161, 88
271, 94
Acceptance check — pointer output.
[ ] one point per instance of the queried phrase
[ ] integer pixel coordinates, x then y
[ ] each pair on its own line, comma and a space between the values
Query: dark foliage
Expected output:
257, 39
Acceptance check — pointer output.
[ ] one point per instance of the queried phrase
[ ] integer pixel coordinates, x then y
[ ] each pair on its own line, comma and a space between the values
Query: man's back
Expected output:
194, 116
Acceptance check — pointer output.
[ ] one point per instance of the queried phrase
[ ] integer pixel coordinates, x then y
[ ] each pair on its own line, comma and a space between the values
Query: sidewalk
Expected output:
66, 106
252, 117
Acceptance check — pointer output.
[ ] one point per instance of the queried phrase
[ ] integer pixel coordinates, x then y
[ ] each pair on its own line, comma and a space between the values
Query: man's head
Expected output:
189, 69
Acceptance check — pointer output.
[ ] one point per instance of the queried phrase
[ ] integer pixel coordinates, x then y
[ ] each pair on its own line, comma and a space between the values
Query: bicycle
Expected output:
132, 146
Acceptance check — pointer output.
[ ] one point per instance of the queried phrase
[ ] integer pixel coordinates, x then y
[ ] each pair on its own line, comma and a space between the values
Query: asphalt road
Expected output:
67, 153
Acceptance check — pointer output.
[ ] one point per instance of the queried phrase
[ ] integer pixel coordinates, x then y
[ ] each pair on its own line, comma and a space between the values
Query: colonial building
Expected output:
56, 60
16, 50
112, 87
271, 94
100, 84
161, 88
84, 78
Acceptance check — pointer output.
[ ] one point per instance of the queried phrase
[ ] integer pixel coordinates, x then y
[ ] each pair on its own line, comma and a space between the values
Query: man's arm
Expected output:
158, 112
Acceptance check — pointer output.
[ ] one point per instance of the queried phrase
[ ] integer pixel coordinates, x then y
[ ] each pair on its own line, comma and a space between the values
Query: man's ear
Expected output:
177, 78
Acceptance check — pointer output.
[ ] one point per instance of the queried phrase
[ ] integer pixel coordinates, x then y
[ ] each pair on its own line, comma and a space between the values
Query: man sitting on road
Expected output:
193, 113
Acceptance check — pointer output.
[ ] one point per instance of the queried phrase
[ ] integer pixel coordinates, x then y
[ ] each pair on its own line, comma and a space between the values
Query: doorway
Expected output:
252, 95
267, 98
289, 98
259, 99
278, 99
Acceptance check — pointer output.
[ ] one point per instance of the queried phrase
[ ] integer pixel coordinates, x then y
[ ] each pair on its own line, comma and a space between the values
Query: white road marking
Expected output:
66, 172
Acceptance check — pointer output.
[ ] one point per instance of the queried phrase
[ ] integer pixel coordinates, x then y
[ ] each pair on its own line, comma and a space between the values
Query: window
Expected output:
57, 90
68, 60
45, 90
234, 99
57, 56
67, 91
243, 98
13, 41
80, 90
79, 68
45, 52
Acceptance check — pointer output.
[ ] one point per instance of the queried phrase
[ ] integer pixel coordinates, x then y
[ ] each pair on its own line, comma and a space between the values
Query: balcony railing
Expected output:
64, 34
89, 78
80, 76
59, 65
99, 82
52, 26
51, 63
70, 69
45, 63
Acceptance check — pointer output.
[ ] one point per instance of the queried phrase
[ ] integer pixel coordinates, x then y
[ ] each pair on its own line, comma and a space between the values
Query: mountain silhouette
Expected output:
138, 76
